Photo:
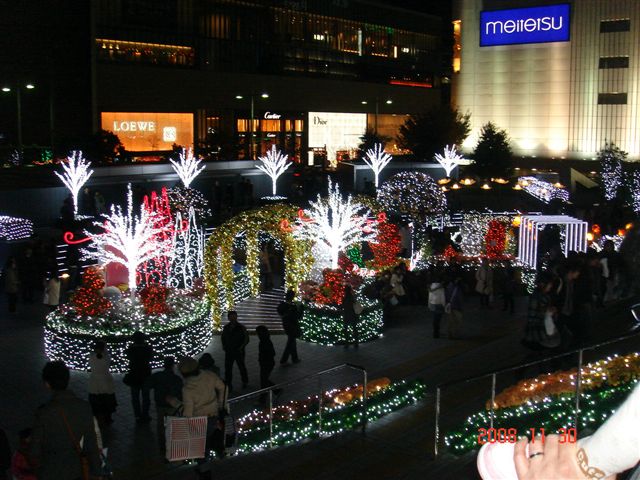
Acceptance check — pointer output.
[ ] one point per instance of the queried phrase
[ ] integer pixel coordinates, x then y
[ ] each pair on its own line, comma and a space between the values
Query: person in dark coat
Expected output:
349, 317
290, 315
206, 362
164, 384
266, 356
59, 426
234, 341
29, 275
140, 355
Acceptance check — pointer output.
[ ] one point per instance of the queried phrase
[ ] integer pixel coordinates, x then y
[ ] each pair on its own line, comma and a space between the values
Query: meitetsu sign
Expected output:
525, 25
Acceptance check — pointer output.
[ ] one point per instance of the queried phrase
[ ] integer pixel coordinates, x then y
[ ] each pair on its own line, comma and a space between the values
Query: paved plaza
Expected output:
398, 446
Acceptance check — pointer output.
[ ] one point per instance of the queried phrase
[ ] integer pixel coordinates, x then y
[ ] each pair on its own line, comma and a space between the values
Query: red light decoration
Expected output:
154, 300
595, 228
495, 239
88, 300
157, 270
387, 246
69, 240
449, 252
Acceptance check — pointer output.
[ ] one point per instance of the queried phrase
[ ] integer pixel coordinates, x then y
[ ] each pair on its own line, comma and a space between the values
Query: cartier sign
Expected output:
272, 116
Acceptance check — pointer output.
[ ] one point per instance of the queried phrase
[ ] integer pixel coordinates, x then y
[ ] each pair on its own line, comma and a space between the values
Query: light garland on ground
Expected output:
325, 325
548, 401
276, 220
412, 194
291, 426
376, 158
274, 164
186, 331
542, 190
15, 228
75, 174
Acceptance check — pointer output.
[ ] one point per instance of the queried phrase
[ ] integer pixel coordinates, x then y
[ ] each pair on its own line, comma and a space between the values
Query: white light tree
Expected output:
450, 159
128, 239
187, 167
377, 159
274, 164
188, 249
76, 173
335, 223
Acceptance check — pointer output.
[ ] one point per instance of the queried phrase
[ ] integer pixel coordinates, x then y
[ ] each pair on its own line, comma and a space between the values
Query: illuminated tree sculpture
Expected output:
76, 173
188, 249
377, 159
450, 159
187, 167
128, 239
274, 164
335, 223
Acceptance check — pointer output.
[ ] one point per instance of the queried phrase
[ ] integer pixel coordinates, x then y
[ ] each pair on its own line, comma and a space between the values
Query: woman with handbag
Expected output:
437, 301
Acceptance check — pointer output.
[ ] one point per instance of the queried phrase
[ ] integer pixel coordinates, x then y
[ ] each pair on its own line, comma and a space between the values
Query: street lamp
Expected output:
252, 96
5, 89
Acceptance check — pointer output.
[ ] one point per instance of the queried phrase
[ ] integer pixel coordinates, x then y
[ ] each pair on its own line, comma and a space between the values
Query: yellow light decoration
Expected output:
517, 187
628, 226
444, 181
444, 189
468, 181
590, 237
524, 183
486, 186
516, 221
455, 186
558, 185
218, 271
500, 181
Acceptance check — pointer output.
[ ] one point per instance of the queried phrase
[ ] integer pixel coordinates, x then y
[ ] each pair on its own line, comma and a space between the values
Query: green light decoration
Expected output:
336, 418
355, 255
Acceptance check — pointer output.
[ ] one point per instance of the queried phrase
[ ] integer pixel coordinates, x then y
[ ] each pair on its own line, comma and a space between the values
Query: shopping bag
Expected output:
185, 437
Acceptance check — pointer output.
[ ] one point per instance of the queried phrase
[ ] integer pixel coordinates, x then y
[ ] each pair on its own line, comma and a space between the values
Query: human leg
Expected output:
135, 400
243, 369
228, 368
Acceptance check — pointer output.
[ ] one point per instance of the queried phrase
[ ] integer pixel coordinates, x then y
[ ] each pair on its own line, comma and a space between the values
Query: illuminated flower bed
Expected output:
548, 401
186, 330
342, 410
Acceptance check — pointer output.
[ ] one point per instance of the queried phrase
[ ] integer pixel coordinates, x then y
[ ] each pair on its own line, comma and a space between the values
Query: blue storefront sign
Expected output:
525, 25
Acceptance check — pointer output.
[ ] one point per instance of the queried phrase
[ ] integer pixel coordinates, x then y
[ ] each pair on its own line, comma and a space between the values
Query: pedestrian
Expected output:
99, 202
290, 315
5, 455
64, 443
30, 277
484, 282
52, 290
541, 330
508, 289
453, 308
166, 385
350, 317
204, 395
206, 362
437, 301
102, 393
234, 340
11, 283
21, 469
266, 356
140, 356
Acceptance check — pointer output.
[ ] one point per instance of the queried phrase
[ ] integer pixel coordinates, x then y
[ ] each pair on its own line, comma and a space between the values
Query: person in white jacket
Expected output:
437, 301
102, 396
52, 291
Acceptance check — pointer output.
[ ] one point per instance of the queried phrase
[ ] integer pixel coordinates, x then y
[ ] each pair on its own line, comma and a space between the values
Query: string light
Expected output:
188, 251
274, 164
186, 167
325, 325
450, 160
15, 228
542, 190
387, 245
377, 159
412, 194
75, 174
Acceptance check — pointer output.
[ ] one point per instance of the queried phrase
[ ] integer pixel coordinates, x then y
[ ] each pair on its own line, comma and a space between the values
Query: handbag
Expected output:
84, 459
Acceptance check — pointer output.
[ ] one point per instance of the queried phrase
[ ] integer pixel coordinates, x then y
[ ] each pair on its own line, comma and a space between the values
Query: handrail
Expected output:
546, 359
494, 374
270, 390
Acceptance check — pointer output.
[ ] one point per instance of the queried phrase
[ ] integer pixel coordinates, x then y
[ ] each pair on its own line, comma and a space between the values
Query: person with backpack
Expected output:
290, 315
234, 340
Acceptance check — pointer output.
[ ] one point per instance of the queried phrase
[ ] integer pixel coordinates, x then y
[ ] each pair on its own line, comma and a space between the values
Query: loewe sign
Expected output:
525, 25
134, 126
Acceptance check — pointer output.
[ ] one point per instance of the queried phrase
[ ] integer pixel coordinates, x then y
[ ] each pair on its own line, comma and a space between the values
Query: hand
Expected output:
554, 460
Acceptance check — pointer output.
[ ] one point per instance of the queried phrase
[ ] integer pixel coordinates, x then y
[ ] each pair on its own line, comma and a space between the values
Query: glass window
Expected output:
614, 62
608, 26
141, 52
612, 98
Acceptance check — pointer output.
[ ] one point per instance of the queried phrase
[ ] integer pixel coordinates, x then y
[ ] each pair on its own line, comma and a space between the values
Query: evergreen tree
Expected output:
425, 134
493, 156
611, 158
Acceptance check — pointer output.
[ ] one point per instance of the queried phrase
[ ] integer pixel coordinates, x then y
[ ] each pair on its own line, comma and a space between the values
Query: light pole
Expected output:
388, 101
252, 97
28, 86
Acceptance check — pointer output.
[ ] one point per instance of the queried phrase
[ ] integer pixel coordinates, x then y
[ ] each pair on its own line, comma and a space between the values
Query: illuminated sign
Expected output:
272, 116
336, 131
143, 132
525, 25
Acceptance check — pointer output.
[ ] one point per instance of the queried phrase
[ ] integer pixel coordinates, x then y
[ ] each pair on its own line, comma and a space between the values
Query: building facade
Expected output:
560, 76
300, 74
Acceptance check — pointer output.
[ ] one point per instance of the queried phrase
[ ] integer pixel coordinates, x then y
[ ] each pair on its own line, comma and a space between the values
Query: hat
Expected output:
188, 365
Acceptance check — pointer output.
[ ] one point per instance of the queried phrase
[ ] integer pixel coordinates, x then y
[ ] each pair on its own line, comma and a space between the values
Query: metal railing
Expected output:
495, 373
270, 391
